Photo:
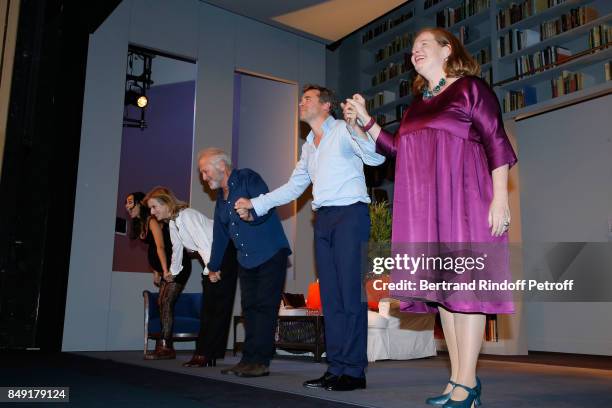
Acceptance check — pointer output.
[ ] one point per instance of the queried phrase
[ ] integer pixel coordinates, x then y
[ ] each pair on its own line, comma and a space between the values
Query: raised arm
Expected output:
385, 141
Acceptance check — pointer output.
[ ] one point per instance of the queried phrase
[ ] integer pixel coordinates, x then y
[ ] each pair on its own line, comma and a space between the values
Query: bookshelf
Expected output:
526, 74
469, 20
561, 58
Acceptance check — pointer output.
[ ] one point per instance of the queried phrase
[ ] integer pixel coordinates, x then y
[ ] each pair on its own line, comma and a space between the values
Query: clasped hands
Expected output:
355, 108
214, 277
243, 207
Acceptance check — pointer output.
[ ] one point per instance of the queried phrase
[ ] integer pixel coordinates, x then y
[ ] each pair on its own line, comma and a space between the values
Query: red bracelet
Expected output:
369, 125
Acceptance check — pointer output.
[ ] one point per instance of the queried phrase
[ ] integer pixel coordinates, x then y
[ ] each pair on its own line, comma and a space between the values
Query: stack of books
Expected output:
575, 18
568, 82
514, 100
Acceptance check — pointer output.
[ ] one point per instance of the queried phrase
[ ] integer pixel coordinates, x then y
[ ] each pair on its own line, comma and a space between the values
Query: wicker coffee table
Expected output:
300, 333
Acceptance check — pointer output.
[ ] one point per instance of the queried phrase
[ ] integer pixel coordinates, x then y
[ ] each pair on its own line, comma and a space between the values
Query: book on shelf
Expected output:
566, 83
405, 86
386, 25
600, 35
514, 13
515, 40
562, 54
430, 3
391, 71
514, 100
550, 56
487, 75
483, 56
574, 18
491, 333
608, 70
541, 5
399, 43
451, 16
466, 35
380, 99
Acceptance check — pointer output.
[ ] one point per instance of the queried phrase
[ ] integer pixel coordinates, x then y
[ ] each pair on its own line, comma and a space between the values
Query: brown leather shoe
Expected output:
165, 352
200, 361
254, 370
157, 347
234, 370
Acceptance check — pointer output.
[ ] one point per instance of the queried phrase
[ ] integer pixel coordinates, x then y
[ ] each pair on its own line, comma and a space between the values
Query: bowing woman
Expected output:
157, 236
192, 230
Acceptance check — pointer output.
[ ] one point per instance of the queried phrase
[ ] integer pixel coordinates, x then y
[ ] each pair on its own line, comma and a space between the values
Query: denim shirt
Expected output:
255, 241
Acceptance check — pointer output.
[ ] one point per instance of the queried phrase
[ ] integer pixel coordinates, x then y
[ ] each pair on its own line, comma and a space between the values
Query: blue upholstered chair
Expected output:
186, 317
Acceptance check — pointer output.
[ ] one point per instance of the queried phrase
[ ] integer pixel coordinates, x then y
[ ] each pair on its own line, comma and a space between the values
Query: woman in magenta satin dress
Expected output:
452, 161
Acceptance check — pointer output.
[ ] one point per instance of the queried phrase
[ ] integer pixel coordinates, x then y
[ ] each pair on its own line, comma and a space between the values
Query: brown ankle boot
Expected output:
165, 352
157, 347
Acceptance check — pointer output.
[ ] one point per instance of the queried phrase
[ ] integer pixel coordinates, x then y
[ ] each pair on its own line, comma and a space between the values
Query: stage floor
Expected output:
407, 383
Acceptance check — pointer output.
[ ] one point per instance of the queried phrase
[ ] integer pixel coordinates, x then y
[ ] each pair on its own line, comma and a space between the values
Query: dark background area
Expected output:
40, 167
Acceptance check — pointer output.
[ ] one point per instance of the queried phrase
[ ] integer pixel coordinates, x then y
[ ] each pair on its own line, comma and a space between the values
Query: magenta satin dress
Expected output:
446, 148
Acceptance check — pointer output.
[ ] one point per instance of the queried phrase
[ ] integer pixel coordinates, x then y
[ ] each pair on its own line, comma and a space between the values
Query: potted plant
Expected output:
379, 246
380, 218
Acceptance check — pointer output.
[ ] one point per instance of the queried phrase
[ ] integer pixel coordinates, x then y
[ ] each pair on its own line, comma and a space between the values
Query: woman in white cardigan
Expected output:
192, 230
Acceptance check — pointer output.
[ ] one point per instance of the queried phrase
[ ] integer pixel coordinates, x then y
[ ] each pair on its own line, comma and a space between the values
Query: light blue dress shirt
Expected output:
335, 169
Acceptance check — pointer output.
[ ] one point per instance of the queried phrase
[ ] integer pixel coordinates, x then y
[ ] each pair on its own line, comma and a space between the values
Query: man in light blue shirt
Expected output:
332, 160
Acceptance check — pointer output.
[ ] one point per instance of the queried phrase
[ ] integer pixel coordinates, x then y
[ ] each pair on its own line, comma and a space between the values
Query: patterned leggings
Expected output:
168, 293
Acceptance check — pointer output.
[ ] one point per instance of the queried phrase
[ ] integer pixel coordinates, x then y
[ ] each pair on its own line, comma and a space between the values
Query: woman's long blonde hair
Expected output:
459, 63
166, 196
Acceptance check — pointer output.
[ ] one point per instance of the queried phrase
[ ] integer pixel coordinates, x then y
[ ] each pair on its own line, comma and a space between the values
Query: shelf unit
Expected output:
558, 39
561, 101
482, 26
547, 74
537, 18
477, 24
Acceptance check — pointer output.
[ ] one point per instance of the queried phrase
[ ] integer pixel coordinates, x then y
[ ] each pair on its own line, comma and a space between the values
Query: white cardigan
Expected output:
191, 230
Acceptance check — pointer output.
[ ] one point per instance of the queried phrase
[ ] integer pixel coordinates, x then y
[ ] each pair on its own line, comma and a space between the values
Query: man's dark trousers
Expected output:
341, 233
217, 306
260, 289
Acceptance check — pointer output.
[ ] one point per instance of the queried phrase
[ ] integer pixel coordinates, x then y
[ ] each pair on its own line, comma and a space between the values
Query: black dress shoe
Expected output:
325, 381
347, 383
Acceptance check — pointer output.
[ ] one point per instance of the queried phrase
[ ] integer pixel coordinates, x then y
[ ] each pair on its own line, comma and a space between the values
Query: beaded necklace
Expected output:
427, 94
